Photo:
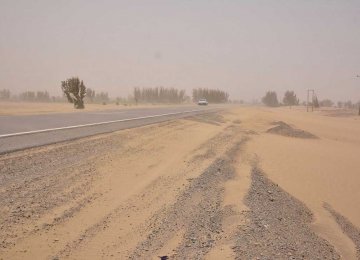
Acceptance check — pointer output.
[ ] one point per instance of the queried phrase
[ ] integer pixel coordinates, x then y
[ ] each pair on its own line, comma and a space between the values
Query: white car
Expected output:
202, 102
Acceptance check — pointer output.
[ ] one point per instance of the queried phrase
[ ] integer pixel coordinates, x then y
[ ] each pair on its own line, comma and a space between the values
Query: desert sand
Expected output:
35, 108
213, 186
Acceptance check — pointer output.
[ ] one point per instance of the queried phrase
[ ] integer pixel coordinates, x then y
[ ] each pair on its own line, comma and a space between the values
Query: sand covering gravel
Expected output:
284, 129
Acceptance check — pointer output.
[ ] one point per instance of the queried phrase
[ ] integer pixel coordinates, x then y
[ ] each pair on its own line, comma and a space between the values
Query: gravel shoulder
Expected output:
278, 226
347, 227
197, 213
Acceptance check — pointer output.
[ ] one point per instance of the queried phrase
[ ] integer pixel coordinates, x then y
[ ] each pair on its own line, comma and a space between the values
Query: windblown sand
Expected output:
35, 108
216, 186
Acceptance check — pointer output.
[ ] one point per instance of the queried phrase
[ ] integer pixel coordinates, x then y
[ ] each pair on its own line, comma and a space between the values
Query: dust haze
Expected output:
243, 48
179, 130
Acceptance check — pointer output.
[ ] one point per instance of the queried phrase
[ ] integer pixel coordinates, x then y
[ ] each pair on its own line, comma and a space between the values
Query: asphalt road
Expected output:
20, 132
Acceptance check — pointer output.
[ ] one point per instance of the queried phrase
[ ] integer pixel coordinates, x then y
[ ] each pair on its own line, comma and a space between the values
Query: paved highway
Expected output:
20, 132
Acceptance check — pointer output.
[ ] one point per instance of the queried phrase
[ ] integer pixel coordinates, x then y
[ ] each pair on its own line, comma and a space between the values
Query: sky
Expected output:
245, 47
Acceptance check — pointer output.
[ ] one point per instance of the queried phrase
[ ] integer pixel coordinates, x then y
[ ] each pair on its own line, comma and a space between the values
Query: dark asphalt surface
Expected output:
19, 124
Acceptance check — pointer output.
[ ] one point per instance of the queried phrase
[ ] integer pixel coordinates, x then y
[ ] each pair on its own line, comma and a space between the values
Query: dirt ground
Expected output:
34, 108
214, 186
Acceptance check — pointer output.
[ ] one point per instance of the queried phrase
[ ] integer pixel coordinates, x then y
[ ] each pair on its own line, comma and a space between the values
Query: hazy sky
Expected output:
243, 47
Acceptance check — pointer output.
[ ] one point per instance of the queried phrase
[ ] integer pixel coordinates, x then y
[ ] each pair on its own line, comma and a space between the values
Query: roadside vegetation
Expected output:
270, 99
211, 95
75, 91
163, 95
290, 99
159, 95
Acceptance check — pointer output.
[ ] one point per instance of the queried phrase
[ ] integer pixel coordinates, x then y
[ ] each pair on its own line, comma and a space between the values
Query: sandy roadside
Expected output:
317, 171
33, 108
63, 199
214, 186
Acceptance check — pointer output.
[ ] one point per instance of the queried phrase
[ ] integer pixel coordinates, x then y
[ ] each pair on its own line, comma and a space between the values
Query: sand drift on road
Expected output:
211, 186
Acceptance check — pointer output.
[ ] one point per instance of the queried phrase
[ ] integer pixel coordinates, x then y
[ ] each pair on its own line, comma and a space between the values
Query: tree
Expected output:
42, 96
4, 94
137, 95
102, 97
159, 95
348, 104
326, 103
315, 102
28, 96
75, 91
211, 95
290, 99
90, 94
270, 99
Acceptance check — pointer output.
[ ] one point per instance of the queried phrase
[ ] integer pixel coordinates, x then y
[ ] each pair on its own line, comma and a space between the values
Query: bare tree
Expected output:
75, 91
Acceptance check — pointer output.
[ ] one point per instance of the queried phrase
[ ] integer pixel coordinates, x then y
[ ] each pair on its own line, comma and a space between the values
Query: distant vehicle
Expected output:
202, 102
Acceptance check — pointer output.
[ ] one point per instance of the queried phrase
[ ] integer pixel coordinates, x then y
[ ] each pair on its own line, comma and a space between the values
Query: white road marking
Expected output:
100, 123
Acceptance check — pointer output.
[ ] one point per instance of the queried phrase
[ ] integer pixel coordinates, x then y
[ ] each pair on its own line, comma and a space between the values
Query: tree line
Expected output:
5, 94
30, 96
171, 95
290, 99
211, 95
159, 95
93, 97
